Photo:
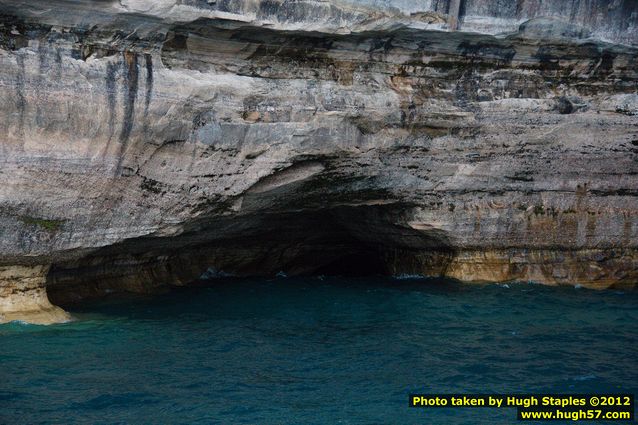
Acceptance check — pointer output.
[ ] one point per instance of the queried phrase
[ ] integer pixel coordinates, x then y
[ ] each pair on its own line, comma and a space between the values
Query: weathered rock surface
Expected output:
147, 142
23, 296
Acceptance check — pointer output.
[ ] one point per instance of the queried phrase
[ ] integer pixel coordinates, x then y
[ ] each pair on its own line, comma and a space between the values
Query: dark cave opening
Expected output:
347, 241
359, 263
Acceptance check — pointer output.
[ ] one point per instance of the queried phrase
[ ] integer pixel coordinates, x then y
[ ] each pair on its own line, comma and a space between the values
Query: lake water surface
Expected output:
316, 351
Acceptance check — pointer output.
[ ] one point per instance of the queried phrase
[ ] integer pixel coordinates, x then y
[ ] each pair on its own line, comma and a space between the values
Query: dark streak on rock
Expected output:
149, 80
149, 88
58, 64
130, 95
43, 61
111, 74
43, 69
21, 101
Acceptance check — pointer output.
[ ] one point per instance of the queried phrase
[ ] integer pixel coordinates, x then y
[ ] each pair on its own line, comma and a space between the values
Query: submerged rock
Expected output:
148, 141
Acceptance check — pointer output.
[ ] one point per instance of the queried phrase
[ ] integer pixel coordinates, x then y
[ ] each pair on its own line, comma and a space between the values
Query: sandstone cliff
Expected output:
147, 142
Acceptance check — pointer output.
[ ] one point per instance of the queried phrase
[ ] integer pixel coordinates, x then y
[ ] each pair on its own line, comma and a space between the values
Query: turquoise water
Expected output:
316, 351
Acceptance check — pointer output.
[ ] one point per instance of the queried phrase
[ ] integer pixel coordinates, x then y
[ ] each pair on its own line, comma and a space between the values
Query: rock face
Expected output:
146, 143
23, 296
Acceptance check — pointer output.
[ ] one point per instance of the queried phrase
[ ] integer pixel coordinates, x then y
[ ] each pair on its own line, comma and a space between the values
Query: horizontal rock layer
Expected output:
148, 143
23, 296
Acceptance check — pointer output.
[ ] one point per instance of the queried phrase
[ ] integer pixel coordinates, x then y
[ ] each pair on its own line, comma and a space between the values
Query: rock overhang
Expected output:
132, 132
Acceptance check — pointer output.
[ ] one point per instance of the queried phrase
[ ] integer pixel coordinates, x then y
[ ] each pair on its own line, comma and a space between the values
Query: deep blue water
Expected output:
316, 351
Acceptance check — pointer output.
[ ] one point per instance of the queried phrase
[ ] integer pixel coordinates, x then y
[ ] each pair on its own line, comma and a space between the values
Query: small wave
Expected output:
405, 276
585, 378
213, 273
23, 323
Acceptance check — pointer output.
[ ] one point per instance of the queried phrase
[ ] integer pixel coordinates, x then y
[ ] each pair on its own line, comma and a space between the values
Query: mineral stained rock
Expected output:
148, 142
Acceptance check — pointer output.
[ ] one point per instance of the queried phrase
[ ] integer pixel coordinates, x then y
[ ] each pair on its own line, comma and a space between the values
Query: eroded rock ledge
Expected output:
23, 296
145, 143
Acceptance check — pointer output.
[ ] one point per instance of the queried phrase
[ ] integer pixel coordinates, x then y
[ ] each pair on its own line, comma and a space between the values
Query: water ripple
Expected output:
342, 351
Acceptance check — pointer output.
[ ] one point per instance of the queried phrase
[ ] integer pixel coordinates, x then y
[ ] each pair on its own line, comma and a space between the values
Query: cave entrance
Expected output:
345, 241
364, 262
